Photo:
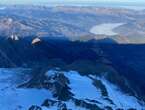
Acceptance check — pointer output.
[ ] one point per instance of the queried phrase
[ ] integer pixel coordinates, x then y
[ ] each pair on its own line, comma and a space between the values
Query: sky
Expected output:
62, 1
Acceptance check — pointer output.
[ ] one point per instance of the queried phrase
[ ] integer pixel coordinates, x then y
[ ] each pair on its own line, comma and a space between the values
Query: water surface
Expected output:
105, 29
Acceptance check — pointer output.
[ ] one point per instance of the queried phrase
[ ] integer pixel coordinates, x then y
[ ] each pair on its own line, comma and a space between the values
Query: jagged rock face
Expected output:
59, 104
57, 83
33, 107
62, 90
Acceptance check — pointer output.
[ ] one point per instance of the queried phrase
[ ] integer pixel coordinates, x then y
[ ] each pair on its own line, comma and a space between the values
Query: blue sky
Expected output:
62, 1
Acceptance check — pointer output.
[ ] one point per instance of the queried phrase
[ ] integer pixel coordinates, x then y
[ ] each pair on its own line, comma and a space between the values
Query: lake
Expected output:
105, 29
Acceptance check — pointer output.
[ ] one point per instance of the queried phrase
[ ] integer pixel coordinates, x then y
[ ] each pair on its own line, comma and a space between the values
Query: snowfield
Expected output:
82, 86
13, 98
121, 100
22, 98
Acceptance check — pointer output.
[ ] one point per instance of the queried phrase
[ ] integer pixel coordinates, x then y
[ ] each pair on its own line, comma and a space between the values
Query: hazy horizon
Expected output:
45, 2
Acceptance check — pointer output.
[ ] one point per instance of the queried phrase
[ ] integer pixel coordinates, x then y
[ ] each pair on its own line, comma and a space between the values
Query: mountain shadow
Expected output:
91, 57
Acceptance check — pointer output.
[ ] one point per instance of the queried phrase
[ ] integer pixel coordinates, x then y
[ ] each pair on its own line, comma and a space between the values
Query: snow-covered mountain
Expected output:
61, 90
71, 58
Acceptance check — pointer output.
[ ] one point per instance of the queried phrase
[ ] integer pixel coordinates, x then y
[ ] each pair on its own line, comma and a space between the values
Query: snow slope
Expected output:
121, 100
13, 98
82, 88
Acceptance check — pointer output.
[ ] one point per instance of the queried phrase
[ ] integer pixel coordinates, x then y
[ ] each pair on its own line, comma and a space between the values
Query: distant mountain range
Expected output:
73, 23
